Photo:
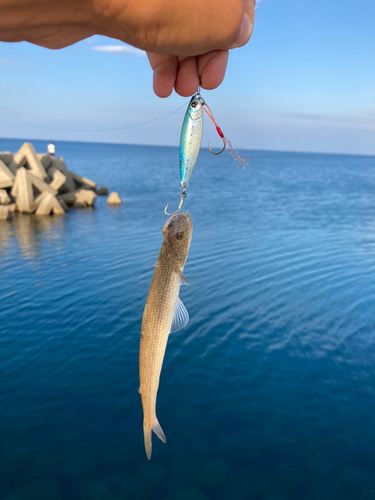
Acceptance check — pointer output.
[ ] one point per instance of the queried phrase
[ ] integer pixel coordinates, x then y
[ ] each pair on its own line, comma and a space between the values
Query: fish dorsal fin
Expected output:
183, 278
181, 317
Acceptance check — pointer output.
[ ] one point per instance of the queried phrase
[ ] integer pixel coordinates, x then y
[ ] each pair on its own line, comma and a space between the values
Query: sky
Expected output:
304, 82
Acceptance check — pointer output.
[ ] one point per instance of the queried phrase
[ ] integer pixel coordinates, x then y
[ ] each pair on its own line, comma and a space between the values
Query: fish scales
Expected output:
162, 300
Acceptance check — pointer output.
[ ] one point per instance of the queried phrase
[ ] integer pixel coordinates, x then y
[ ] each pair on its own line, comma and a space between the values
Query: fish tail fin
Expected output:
159, 431
147, 432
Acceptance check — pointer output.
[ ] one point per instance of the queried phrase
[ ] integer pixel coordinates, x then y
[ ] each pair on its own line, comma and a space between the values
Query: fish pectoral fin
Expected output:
181, 317
183, 278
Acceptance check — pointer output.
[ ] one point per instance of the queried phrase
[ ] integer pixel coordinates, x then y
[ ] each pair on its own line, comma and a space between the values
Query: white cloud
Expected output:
10, 62
124, 49
330, 120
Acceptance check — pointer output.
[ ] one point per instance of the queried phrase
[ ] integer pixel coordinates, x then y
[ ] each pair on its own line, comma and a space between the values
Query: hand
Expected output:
187, 41
185, 73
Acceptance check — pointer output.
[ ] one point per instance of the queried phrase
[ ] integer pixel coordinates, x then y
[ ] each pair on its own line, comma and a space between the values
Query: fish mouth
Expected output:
188, 219
189, 222
180, 223
176, 219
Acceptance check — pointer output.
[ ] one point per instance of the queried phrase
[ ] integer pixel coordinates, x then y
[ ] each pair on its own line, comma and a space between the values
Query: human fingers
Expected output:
207, 70
172, 72
187, 80
186, 74
165, 72
211, 68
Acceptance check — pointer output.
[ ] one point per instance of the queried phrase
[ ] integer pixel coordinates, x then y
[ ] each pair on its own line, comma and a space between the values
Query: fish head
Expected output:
177, 232
195, 107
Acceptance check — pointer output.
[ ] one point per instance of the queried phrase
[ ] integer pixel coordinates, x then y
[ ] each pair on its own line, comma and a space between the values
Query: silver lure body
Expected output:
191, 138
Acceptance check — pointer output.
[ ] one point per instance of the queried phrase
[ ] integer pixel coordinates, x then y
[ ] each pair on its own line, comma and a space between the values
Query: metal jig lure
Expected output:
191, 140
190, 144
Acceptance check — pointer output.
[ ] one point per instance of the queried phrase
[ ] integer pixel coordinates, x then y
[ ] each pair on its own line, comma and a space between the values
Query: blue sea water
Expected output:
268, 394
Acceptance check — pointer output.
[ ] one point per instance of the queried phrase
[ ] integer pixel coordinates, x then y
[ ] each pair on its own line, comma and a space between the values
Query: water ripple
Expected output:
279, 350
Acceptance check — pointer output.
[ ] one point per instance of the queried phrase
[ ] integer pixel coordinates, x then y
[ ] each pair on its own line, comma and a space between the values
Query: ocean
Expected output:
267, 394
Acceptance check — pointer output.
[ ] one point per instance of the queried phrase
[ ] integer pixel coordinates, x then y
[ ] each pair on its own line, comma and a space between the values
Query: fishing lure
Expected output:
191, 140
190, 144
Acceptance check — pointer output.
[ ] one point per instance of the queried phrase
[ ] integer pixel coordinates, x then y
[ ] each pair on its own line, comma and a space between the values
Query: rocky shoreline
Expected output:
35, 183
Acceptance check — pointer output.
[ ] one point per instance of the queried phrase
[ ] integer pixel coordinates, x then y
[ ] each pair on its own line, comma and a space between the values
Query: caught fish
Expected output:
191, 138
164, 313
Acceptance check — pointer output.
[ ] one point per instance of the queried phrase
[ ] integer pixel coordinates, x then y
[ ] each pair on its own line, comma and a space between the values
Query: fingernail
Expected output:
245, 32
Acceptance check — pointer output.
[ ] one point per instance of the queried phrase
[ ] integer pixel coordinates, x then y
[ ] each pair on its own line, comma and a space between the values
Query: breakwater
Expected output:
37, 183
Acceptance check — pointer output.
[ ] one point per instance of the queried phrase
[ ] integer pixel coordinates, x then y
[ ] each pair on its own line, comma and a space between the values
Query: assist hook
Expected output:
219, 153
182, 199
218, 129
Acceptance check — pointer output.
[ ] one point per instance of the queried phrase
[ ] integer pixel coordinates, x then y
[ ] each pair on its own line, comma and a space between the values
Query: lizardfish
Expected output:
164, 313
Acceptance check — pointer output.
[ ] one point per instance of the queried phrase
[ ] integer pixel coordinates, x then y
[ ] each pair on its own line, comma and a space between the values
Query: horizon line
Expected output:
203, 147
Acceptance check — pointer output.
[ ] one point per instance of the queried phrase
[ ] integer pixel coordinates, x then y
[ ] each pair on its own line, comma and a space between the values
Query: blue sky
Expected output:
305, 82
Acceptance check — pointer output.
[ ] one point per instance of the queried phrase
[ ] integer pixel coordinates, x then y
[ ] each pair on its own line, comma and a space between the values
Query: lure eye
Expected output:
193, 104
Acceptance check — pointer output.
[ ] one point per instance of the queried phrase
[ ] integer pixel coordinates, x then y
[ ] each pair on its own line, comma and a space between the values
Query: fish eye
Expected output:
193, 104
179, 236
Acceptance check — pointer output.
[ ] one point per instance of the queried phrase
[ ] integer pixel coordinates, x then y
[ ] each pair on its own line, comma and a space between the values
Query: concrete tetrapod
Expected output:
103, 191
6, 157
4, 197
41, 186
58, 178
23, 191
33, 176
27, 156
114, 199
84, 181
5, 213
45, 160
48, 203
69, 185
80, 198
6, 176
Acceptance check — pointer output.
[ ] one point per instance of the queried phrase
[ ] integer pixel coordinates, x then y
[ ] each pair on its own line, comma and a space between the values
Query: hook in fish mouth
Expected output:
185, 185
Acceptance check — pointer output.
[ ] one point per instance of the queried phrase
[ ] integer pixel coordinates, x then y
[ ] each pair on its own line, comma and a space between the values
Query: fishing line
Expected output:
232, 150
89, 130
258, 5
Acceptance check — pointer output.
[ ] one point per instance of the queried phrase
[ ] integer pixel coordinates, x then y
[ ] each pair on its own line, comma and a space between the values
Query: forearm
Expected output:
51, 23
179, 27
187, 40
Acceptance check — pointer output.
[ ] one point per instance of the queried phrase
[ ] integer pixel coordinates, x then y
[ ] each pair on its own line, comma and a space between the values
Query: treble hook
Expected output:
219, 151
182, 199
